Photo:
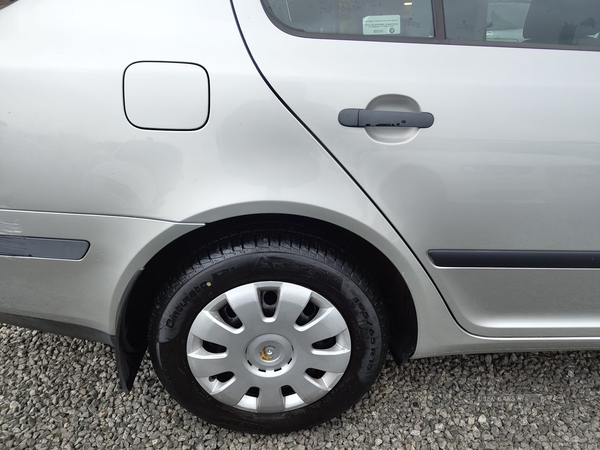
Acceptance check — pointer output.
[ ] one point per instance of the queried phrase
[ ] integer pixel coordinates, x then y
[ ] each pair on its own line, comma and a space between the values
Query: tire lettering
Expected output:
174, 316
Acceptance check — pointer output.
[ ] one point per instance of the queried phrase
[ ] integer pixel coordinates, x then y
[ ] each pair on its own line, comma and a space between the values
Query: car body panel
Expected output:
73, 167
85, 292
69, 149
166, 95
511, 162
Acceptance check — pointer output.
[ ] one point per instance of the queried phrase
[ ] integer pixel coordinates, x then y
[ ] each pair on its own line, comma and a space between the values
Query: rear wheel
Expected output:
268, 331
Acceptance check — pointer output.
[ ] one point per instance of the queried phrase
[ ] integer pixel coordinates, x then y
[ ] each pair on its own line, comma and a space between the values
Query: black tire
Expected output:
272, 253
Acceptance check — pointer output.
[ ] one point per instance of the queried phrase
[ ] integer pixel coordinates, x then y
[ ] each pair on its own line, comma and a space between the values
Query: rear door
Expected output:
499, 198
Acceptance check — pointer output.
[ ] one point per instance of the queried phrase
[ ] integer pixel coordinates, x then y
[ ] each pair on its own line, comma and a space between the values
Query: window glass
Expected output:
384, 18
554, 22
506, 19
5, 3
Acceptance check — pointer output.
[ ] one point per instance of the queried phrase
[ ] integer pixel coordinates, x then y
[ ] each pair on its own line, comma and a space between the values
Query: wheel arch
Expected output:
138, 298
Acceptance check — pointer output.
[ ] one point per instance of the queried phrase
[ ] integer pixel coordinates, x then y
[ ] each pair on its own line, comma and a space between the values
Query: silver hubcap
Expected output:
268, 347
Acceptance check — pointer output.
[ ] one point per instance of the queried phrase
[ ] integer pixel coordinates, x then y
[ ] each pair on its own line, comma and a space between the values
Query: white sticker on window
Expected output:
374, 25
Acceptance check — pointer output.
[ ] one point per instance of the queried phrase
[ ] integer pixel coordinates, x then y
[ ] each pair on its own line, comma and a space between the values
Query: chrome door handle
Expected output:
374, 118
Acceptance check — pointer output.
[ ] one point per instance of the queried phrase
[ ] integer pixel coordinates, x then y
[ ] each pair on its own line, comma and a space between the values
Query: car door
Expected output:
499, 197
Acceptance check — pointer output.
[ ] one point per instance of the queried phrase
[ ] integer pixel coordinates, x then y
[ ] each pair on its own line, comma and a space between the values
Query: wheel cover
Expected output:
262, 365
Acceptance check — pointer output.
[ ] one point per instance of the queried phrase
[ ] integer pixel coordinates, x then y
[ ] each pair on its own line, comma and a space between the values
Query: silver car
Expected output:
266, 194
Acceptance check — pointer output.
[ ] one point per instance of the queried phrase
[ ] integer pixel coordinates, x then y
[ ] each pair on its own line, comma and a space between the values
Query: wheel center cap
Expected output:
269, 352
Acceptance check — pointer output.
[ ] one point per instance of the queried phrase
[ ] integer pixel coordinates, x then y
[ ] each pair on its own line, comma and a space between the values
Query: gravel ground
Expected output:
62, 393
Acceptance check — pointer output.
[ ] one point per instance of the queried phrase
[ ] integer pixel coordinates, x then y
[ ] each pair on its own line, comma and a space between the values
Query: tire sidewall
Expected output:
365, 324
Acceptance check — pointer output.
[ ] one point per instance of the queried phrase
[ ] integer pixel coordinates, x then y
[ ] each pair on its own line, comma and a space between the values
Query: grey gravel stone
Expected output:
63, 393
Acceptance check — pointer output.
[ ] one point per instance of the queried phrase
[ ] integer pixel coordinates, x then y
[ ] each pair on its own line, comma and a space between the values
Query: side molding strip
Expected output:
48, 248
534, 259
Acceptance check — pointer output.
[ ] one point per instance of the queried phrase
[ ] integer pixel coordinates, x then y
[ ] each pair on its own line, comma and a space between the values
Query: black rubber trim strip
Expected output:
48, 248
61, 328
524, 259
439, 25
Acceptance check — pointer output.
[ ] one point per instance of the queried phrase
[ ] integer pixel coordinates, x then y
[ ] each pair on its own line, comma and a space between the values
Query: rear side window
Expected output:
383, 19
5, 3
549, 22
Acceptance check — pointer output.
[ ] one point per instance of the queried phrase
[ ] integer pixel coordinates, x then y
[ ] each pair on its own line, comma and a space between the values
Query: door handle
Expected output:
374, 118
